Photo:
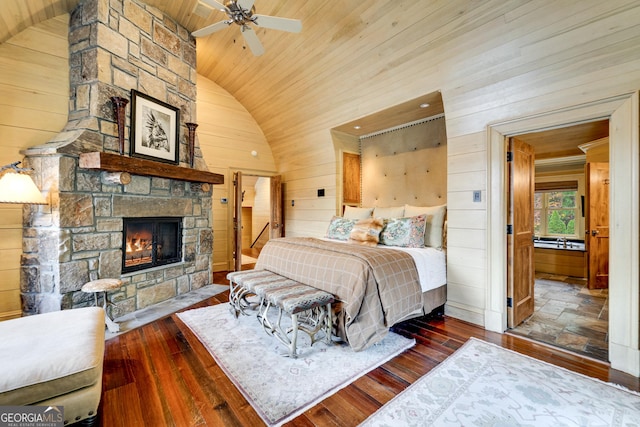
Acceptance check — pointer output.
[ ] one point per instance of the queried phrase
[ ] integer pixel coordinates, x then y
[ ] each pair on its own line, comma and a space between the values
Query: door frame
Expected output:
230, 208
624, 321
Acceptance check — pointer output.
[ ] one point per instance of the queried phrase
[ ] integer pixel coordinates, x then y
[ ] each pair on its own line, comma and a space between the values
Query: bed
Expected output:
376, 285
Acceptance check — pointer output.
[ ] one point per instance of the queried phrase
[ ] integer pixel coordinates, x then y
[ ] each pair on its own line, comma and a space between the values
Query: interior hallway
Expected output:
569, 315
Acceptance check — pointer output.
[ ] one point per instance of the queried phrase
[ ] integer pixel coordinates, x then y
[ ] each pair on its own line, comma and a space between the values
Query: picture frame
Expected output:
155, 128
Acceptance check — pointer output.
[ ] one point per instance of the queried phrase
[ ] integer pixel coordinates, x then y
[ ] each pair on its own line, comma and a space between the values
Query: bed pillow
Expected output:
435, 227
351, 212
339, 228
406, 232
391, 212
366, 231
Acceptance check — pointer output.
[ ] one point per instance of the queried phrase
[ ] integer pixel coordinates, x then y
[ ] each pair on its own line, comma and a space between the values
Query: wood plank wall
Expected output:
34, 99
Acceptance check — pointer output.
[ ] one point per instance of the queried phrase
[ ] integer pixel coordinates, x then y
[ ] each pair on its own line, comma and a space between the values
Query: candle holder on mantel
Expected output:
192, 142
119, 109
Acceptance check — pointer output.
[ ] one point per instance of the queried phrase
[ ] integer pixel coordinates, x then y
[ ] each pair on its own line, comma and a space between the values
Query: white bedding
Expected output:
430, 263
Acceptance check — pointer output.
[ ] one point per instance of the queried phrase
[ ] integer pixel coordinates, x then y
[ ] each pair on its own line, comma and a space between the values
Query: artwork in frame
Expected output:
154, 129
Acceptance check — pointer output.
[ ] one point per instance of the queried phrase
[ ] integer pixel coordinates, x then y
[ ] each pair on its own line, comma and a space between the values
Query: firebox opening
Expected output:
151, 242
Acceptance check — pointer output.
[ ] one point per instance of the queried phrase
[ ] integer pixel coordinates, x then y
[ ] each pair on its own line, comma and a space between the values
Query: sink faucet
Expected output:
562, 240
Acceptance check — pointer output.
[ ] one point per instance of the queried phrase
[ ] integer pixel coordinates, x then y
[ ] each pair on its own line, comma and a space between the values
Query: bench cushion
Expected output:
240, 277
300, 298
50, 354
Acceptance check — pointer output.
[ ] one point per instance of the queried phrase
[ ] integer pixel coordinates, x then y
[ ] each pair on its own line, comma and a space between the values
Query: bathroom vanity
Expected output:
562, 257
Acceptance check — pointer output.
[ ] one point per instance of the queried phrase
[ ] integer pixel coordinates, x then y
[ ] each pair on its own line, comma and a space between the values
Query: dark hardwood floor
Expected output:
161, 375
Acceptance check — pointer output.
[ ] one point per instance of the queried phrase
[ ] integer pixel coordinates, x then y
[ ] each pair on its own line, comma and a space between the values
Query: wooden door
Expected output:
237, 221
277, 217
520, 252
597, 224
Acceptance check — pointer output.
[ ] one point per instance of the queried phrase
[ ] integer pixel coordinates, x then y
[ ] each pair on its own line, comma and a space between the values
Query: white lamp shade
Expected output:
20, 188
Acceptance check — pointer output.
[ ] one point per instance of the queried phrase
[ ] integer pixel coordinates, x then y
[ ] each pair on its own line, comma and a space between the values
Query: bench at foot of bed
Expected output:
308, 307
241, 285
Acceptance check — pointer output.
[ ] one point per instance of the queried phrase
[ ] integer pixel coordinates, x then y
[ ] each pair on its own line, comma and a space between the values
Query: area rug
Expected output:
482, 384
280, 388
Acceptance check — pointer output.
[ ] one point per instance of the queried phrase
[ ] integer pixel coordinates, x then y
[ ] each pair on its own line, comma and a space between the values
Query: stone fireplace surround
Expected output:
114, 46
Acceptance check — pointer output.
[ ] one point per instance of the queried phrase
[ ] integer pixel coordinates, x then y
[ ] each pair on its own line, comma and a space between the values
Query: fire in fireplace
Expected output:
151, 242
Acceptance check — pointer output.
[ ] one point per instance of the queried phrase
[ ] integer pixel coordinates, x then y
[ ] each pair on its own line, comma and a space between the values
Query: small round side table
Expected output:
104, 285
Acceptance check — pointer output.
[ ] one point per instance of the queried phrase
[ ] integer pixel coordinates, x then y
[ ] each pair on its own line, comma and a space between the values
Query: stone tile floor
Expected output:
568, 315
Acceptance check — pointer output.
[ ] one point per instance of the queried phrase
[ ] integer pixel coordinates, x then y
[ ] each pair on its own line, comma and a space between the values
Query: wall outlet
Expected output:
477, 196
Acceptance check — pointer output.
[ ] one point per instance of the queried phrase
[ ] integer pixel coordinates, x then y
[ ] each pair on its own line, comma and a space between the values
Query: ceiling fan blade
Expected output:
246, 4
211, 29
214, 4
277, 23
252, 40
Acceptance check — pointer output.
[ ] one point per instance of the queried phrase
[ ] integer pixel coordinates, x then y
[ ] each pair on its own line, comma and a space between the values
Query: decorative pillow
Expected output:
351, 212
339, 228
392, 212
406, 232
366, 231
435, 227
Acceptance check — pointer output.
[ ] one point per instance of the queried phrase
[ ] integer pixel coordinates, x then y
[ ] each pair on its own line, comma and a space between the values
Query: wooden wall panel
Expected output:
34, 89
351, 179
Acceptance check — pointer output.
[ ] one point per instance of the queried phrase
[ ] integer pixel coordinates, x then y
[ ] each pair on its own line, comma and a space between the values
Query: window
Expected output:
555, 213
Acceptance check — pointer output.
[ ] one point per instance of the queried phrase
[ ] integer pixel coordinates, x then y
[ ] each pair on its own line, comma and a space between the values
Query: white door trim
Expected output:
624, 320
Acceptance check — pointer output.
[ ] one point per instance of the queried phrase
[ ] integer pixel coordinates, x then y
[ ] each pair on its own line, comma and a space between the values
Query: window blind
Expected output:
557, 186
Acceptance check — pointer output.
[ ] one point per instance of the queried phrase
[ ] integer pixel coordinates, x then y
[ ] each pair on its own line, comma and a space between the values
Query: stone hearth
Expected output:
115, 46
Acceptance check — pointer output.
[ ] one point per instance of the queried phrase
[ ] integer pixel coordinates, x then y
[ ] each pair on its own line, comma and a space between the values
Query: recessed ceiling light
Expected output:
357, 127
424, 105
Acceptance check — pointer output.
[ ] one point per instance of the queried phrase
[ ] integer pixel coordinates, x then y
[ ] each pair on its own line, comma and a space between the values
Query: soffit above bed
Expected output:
407, 112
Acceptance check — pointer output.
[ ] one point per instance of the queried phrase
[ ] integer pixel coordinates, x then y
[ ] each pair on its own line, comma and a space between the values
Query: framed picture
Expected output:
154, 129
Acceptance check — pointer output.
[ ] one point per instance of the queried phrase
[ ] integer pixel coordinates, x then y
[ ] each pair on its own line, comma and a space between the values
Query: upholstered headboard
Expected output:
406, 166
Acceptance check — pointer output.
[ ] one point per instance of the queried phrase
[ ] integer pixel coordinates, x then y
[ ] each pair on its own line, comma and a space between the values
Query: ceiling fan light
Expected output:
242, 13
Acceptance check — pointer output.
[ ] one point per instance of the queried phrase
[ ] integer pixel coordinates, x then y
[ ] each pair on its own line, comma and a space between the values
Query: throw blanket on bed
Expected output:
377, 286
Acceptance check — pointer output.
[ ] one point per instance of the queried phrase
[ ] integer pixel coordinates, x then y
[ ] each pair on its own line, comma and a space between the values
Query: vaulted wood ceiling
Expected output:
267, 85
334, 36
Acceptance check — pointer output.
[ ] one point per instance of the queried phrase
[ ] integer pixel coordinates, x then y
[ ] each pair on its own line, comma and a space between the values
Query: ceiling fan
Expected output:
242, 12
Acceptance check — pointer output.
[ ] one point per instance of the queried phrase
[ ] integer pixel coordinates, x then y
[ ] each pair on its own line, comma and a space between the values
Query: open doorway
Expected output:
257, 216
566, 199
624, 269
256, 207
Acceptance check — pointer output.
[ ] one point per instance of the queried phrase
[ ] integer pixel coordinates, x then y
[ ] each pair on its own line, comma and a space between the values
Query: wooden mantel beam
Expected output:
116, 163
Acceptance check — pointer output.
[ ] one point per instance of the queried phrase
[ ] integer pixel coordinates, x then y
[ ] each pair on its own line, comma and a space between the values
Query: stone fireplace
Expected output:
116, 46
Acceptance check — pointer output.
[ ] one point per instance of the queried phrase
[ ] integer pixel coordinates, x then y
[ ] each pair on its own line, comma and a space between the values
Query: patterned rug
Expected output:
280, 388
482, 384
